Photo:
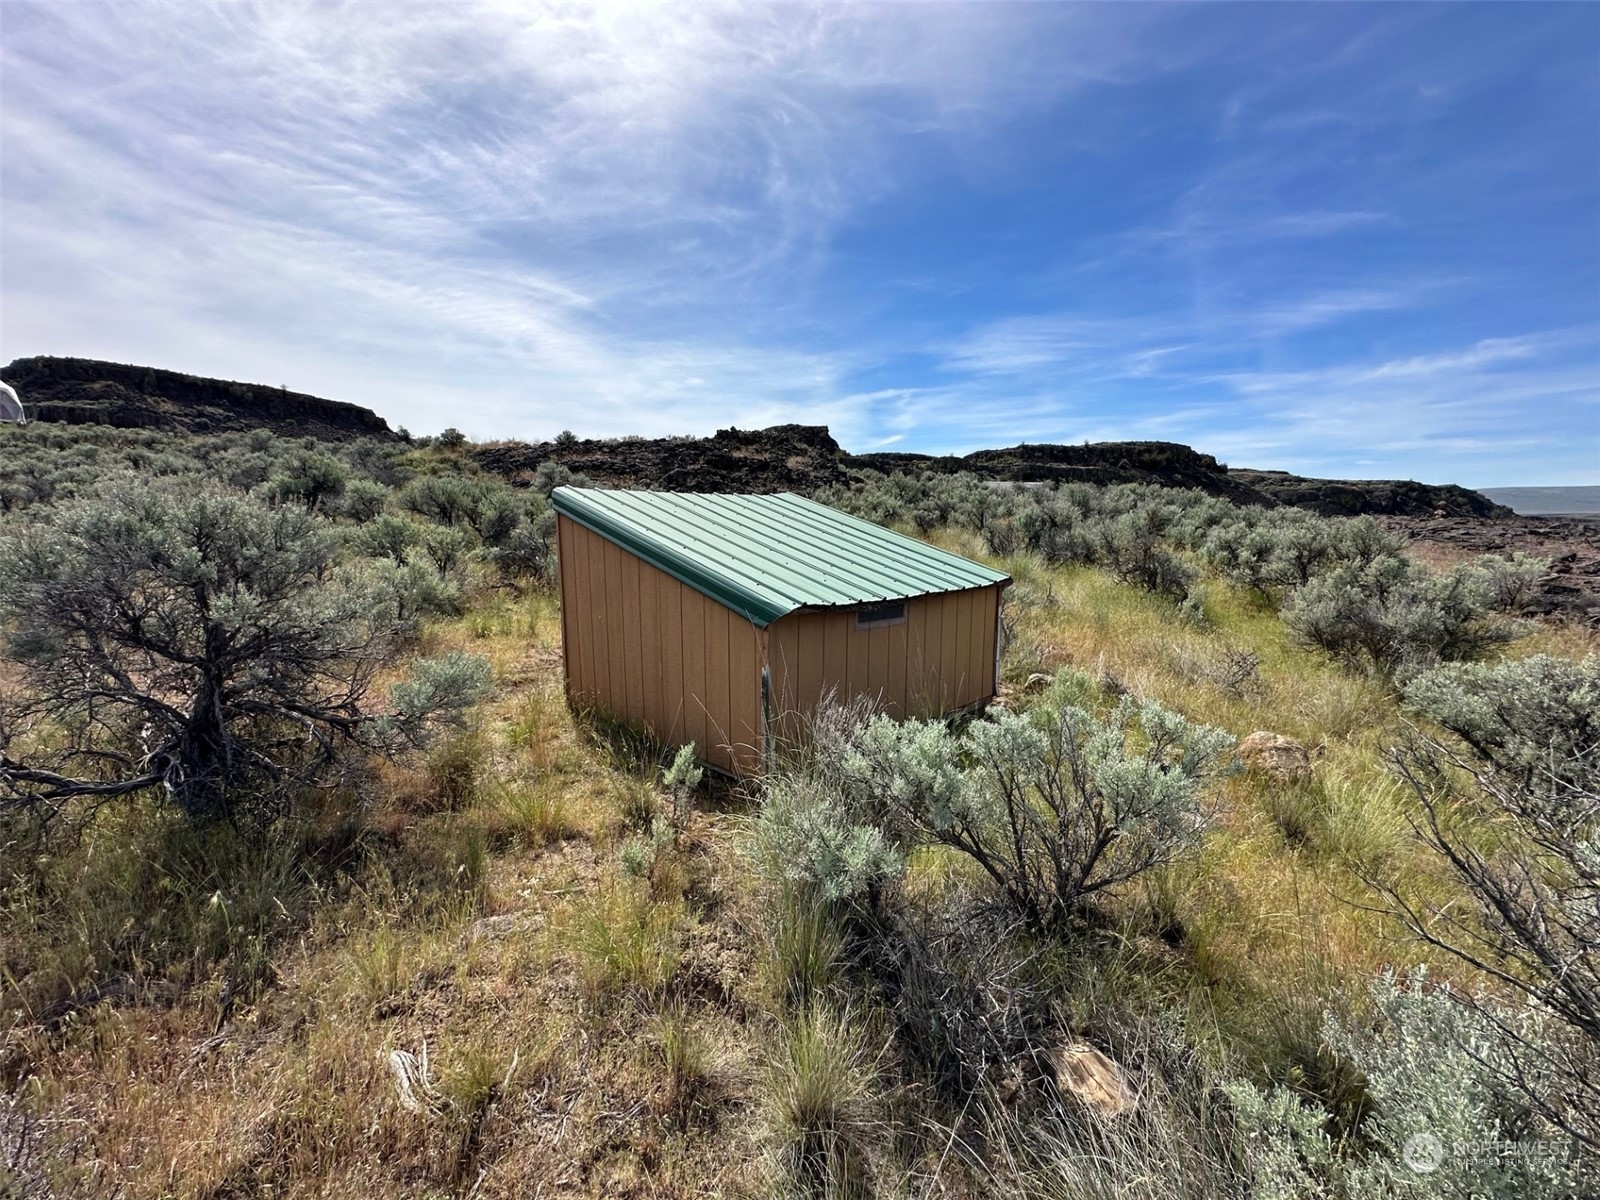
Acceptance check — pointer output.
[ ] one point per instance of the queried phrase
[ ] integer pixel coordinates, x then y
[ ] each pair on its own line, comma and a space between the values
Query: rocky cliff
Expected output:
804, 457
82, 391
797, 458
793, 458
1353, 497
1166, 463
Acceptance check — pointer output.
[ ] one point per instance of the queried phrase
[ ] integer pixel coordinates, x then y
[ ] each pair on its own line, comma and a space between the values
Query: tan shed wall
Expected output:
656, 653
940, 658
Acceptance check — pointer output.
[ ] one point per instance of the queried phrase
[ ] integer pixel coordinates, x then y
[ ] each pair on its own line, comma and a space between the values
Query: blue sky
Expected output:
1354, 241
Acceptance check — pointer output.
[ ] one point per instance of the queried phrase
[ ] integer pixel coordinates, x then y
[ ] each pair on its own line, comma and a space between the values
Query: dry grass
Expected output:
1277, 913
484, 923
804, 959
589, 1034
825, 1111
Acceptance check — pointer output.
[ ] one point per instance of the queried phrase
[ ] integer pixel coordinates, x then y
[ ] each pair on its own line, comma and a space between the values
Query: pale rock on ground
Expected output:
1275, 754
1089, 1076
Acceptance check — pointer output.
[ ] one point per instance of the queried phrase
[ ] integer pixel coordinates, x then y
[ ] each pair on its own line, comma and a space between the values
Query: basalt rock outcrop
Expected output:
1451, 522
84, 391
1376, 497
1570, 588
805, 457
784, 458
798, 458
1169, 464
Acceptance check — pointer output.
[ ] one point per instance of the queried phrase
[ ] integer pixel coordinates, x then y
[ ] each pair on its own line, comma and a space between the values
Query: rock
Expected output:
83, 391
1275, 754
1571, 544
1104, 463
1092, 1079
490, 927
793, 458
1352, 497
804, 458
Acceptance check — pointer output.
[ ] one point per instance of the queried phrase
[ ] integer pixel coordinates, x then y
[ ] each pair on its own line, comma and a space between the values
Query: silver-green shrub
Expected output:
1536, 720
1393, 615
197, 643
311, 477
1055, 805
1510, 804
680, 779
438, 690
1441, 1124
809, 838
1344, 583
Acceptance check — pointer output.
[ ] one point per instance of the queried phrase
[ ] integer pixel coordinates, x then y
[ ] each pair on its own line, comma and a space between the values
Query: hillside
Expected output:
798, 458
784, 457
1388, 497
503, 952
1445, 522
805, 457
83, 391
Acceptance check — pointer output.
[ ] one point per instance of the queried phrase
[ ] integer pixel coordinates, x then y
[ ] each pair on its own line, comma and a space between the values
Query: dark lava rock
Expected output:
803, 458
784, 458
1357, 497
1168, 464
1452, 521
82, 391
1569, 590
1444, 522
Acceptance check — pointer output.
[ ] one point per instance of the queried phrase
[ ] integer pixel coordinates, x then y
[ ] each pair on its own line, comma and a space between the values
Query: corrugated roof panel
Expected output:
766, 556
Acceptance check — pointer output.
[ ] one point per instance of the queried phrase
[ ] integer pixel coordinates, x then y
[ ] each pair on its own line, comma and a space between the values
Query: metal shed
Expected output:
723, 619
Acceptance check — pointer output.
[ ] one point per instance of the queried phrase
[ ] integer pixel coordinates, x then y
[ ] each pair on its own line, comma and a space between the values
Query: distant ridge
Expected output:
802, 458
1547, 501
84, 391
805, 457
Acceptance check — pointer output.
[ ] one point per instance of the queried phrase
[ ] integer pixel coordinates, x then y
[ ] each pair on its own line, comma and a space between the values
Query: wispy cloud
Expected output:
1134, 346
1470, 403
931, 227
1229, 226
608, 203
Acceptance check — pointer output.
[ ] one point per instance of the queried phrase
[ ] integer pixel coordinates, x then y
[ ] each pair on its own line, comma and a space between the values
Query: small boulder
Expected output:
1090, 1077
1274, 754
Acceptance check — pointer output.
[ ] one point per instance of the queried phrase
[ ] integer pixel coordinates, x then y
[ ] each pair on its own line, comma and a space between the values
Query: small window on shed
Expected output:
881, 614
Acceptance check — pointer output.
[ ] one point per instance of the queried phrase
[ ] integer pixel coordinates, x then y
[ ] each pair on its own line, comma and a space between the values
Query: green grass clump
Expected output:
623, 943
823, 1105
804, 962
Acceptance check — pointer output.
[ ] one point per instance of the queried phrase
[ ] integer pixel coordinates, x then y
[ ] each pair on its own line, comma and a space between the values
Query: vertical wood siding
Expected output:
650, 651
657, 654
939, 659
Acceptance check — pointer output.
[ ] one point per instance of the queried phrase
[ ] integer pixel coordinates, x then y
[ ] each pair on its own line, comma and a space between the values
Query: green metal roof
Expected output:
767, 556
